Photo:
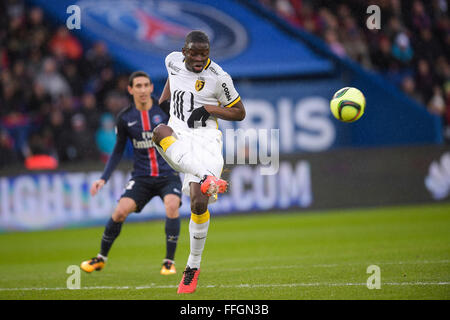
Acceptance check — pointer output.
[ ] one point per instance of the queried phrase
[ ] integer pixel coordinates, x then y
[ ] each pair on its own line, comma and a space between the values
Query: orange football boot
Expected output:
189, 282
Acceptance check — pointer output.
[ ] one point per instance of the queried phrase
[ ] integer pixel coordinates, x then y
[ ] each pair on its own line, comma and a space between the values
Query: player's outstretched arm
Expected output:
113, 161
234, 113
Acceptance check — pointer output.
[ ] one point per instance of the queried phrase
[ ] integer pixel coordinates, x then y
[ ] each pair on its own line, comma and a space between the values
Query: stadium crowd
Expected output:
411, 49
57, 96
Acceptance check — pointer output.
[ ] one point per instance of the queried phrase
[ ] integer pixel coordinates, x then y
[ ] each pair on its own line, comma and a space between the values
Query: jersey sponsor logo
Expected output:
199, 84
227, 91
146, 141
160, 26
130, 124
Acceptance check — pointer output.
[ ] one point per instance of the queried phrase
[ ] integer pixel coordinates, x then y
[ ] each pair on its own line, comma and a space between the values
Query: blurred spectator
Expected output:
59, 132
424, 79
442, 69
353, 41
419, 19
437, 102
38, 30
80, 144
40, 100
447, 112
34, 61
114, 102
73, 77
66, 45
16, 38
427, 47
90, 111
7, 153
98, 58
52, 81
401, 49
38, 145
382, 57
105, 136
105, 83
336, 46
11, 100
287, 10
409, 87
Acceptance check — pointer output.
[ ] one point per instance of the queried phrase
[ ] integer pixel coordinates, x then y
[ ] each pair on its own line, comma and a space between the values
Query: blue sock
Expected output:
112, 231
172, 232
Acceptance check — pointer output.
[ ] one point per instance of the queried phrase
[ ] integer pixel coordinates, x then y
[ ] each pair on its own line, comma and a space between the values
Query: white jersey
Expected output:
190, 90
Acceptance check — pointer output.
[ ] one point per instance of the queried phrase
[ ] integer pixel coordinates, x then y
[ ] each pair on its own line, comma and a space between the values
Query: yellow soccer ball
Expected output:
348, 104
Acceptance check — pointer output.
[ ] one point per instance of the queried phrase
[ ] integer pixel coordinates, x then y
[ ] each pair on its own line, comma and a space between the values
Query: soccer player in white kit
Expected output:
200, 92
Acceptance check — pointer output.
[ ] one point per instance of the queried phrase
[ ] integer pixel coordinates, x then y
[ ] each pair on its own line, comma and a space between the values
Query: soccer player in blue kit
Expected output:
151, 175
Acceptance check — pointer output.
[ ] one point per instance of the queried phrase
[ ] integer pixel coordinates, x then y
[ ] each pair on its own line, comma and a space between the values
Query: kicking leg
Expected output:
182, 158
177, 152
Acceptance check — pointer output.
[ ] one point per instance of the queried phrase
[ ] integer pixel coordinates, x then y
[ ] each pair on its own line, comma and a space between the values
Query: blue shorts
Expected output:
142, 189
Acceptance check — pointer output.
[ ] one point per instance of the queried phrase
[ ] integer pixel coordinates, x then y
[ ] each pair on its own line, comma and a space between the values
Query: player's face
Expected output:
196, 55
141, 90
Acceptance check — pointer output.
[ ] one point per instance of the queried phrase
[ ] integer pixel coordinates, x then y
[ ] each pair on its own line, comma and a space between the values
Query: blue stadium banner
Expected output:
140, 34
300, 110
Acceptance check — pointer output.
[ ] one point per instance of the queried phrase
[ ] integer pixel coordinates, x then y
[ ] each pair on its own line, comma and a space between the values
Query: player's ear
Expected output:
130, 90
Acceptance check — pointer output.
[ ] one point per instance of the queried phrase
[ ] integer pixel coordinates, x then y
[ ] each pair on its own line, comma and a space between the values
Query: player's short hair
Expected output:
138, 74
196, 36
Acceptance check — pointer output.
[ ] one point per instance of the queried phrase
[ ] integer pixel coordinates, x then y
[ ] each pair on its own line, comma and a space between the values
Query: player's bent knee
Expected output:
120, 214
172, 209
160, 132
119, 217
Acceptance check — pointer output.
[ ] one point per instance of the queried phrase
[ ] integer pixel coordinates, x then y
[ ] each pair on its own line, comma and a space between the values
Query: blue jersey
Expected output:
138, 126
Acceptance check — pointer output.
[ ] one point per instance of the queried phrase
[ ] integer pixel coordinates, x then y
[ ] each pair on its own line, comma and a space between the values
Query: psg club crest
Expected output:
159, 27
199, 84
156, 119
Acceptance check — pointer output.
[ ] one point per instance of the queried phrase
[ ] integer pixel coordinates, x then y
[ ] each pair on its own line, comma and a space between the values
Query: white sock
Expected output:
103, 257
198, 233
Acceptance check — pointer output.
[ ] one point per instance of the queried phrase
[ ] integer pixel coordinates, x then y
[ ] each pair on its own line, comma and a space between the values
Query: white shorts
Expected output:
205, 146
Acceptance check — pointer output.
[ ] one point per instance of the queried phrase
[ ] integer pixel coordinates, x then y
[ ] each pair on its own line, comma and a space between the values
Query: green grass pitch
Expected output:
309, 255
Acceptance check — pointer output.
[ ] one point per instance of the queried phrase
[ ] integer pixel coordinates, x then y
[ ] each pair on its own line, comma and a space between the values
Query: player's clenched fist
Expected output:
199, 114
97, 185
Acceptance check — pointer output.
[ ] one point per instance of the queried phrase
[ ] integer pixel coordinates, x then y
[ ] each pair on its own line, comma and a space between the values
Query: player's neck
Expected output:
144, 106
